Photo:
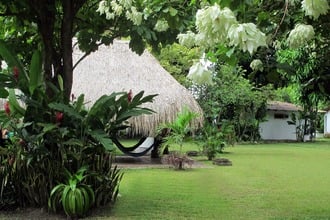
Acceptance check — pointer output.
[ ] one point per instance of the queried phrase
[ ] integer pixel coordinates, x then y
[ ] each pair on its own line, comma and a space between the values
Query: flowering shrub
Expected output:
199, 74
256, 65
300, 35
216, 25
315, 8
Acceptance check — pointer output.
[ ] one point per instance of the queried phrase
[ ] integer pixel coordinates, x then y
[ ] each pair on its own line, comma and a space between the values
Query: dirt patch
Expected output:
147, 162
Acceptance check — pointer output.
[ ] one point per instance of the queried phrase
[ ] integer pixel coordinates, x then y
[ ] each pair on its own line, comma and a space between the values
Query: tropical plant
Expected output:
212, 141
51, 26
301, 121
75, 197
53, 134
223, 101
177, 132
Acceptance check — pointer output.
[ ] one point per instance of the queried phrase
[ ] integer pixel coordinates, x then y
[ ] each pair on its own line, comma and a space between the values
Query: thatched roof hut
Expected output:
116, 68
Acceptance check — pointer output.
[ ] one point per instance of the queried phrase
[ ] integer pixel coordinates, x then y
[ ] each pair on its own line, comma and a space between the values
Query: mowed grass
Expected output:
266, 181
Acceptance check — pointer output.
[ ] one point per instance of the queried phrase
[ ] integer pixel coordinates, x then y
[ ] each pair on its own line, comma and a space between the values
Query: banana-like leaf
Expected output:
103, 138
132, 113
12, 62
60, 82
102, 103
67, 110
35, 72
74, 142
14, 105
47, 127
80, 102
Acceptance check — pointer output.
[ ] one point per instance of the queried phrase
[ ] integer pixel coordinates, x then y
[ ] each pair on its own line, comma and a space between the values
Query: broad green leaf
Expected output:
67, 110
74, 142
103, 138
60, 82
80, 102
14, 105
12, 62
35, 71
3, 93
47, 127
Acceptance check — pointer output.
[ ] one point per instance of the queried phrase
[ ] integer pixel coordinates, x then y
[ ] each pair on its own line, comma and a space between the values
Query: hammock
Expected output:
137, 150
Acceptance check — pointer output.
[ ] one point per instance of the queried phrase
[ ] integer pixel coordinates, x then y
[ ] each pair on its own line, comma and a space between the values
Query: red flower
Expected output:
7, 108
59, 117
16, 73
130, 96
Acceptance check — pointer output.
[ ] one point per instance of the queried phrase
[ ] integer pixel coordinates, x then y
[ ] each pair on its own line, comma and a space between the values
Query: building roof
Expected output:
282, 106
115, 68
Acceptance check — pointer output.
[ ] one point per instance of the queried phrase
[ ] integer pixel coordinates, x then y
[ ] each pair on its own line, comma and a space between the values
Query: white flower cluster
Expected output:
3, 65
113, 8
161, 25
300, 35
216, 25
246, 36
212, 24
257, 65
134, 16
199, 74
315, 8
187, 39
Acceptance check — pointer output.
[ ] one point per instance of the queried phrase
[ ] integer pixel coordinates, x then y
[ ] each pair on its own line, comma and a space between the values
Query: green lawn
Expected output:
266, 181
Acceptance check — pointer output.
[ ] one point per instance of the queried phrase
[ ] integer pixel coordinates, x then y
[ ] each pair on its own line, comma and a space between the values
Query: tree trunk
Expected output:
66, 40
46, 16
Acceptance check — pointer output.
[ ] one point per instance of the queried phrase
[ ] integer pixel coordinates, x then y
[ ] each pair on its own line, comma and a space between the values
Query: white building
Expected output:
327, 123
276, 126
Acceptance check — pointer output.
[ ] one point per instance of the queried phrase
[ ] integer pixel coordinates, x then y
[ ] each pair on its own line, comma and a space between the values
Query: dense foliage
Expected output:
51, 136
51, 25
234, 99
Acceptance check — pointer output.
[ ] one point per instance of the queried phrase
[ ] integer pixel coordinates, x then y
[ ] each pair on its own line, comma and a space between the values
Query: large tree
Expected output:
51, 25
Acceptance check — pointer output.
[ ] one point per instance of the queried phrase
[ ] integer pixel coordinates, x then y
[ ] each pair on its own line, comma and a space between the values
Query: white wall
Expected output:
277, 128
327, 122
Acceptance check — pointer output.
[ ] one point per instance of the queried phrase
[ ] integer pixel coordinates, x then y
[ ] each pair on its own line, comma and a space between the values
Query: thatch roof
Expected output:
116, 68
282, 106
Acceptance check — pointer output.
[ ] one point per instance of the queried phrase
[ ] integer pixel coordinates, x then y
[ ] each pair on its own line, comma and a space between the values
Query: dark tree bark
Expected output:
57, 49
66, 39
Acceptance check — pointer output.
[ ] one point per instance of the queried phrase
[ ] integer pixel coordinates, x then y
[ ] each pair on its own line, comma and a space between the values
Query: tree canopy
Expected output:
51, 25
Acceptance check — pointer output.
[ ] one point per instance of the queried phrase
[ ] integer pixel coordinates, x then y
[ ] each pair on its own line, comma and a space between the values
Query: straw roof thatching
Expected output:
116, 68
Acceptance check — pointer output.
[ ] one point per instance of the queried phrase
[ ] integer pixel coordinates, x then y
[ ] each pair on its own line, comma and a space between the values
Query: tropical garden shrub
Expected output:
214, 138
235, 100
53, 134
75, 198
177, 132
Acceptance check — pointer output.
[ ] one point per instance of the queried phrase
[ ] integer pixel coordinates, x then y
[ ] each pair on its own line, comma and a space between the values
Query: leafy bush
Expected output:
53, 134
177, 131
213, 138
